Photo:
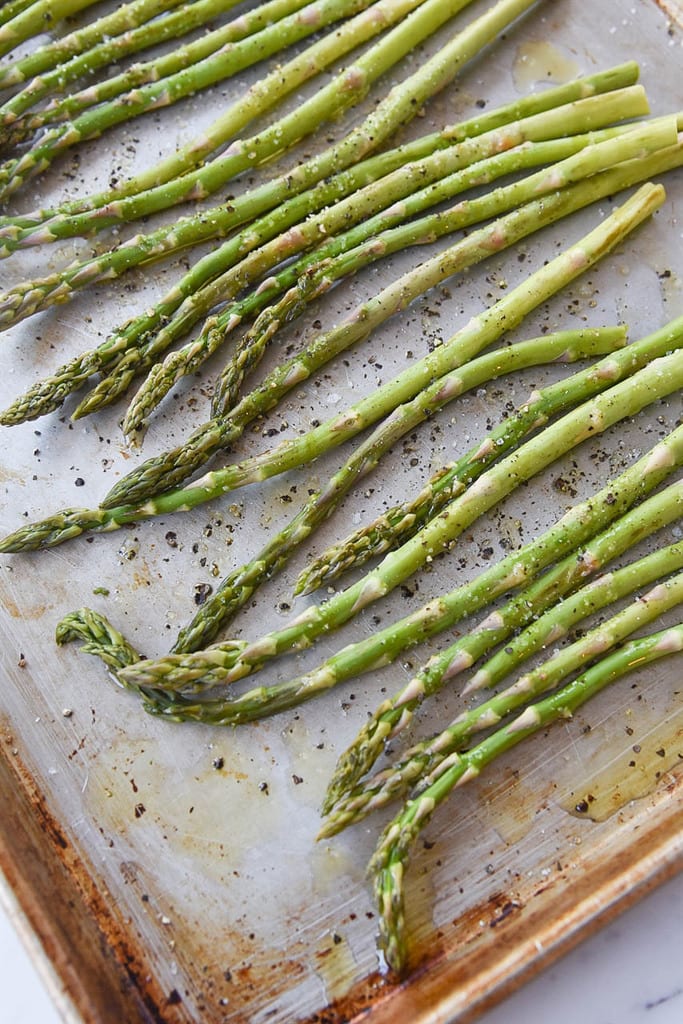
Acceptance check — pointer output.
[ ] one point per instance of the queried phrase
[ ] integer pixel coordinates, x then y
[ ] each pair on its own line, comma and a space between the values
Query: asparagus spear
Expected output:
162, 471
36, 19
402, 521
11, 8
478, 334
576, 526
110, 51
397, 109
345, 805
194, 74
390, 860
240, 584
102, 639
624, 399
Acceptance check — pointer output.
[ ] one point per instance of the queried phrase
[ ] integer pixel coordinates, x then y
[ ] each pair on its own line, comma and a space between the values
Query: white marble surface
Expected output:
629, 973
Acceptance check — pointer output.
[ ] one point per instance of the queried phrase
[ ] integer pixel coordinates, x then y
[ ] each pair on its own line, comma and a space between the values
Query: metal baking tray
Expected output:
170, 873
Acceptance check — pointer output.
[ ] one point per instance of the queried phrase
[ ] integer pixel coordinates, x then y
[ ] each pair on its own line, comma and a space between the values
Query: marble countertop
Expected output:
630, 972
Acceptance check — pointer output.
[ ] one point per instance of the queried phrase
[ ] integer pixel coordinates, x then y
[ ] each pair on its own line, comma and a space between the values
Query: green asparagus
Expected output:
58, 53
481, 331
374, 185
34, 20
48, 394
402, 521
660, 378
398, 108
389, 863
223, 61
13, 113
374, 239
165, 470
11, 8
269, 196
422, 231
345, 806
239, 586
101, 638
579, 524
256, 101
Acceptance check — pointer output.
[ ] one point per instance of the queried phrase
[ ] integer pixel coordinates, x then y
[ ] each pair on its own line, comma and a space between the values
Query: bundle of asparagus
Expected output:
133, 27
241, 260
290, 240
480, 332
345, 90
22, 19
391, 856
198, 65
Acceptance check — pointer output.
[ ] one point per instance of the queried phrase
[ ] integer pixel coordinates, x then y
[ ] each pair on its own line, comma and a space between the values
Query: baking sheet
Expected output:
189, 853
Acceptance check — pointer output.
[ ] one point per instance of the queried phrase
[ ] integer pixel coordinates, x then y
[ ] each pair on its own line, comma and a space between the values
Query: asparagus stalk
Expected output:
150, 30
389, 863
345, 806
102, 639
397, 109
477, 335
162, 471
11, 8
34, 20
402, 521
239, 585
225, 59
576, 526
624, 399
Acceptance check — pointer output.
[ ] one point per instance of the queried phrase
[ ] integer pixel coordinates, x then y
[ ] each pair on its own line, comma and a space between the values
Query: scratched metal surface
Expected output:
205, 838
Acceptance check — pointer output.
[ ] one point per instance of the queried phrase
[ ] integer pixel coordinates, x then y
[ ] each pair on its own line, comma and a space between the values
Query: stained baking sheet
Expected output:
171, 872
